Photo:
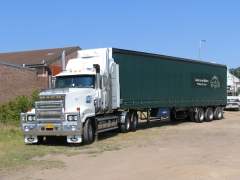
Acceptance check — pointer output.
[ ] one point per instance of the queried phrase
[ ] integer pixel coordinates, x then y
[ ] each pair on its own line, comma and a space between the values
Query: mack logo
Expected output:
52, 97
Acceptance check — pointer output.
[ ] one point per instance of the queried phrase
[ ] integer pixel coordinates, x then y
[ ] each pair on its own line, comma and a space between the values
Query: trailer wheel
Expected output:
134, 122
208, 114
88, 132
125, 127
199, 115
192, 117
218, 113
172, 117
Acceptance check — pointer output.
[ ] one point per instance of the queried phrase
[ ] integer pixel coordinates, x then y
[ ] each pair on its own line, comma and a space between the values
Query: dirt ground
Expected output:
196, 151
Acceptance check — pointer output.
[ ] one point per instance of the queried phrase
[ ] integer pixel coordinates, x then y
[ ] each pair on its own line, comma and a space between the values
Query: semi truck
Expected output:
105, 89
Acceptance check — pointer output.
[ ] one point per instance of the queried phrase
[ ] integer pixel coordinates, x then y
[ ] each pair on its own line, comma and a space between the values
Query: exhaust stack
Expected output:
63, 62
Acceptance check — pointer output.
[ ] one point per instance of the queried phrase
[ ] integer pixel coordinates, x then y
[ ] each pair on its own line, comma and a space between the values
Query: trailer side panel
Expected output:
149, 80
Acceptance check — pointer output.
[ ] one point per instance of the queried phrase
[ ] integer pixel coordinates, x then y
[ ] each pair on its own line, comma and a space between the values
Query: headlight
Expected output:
75, 118
72, 118
30, 118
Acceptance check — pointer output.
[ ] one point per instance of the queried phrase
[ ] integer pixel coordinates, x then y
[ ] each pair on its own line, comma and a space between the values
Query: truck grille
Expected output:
49, 111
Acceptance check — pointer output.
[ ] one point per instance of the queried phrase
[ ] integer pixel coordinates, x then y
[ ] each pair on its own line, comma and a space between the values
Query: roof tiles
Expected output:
34, 57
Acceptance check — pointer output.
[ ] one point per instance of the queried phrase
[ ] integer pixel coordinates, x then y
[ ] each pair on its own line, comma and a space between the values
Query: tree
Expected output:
235, 72
238, 91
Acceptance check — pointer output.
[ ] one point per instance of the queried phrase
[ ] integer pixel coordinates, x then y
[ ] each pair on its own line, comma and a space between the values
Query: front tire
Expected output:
40, 139
88, 132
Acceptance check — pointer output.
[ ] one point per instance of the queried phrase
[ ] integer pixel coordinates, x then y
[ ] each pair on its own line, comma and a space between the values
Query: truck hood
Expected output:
73, 97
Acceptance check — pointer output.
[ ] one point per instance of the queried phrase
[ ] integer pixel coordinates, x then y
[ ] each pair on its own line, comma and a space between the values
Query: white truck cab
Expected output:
82, 103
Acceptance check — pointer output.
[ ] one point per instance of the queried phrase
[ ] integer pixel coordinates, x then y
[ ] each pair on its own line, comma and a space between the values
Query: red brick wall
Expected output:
16, 81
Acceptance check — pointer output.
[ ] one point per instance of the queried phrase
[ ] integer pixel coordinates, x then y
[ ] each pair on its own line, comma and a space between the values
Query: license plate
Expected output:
49, 126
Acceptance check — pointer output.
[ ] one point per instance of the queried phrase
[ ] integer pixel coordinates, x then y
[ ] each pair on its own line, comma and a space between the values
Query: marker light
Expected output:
78, 108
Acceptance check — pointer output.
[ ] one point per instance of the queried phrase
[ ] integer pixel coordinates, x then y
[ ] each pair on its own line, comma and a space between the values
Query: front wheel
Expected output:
88, 132
40, 139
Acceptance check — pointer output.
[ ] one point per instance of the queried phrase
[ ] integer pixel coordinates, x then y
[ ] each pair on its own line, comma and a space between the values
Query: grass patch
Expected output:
16, 155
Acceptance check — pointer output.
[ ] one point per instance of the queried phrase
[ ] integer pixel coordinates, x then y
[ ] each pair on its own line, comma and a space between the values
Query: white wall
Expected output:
232, 82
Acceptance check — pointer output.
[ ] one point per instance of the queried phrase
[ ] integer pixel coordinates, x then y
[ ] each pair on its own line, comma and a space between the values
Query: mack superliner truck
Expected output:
105, 89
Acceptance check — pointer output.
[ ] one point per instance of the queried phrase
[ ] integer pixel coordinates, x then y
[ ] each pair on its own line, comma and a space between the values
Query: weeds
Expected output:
15, 155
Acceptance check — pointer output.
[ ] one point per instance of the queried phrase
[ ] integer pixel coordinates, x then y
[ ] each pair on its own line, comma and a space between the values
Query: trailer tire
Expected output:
218, 113
172, 117
125, 127
192, 117
208, 114
134, 122
88, 132
199, 115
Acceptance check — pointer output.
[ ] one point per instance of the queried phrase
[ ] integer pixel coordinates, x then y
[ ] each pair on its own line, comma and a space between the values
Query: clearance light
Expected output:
78, 108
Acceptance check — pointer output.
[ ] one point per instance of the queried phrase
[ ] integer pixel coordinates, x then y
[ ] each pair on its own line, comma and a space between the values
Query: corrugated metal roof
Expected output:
36, 57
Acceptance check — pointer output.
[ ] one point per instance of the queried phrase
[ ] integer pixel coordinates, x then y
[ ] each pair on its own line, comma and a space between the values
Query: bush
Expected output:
10, 112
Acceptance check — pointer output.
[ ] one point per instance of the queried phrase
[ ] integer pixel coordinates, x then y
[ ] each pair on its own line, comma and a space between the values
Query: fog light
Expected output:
73, 128
26, 128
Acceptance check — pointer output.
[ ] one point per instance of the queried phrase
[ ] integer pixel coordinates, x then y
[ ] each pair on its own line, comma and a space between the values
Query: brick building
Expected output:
23, 72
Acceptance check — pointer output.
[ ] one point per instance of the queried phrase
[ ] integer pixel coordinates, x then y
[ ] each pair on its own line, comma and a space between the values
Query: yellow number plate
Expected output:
49, 126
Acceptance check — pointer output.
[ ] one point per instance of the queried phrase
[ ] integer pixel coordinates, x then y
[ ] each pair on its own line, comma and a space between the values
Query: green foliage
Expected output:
238, 91
34, 97
235, 72
10, 112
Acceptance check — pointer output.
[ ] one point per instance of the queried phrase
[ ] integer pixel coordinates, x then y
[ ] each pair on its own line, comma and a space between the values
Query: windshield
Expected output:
233, 100
82, 81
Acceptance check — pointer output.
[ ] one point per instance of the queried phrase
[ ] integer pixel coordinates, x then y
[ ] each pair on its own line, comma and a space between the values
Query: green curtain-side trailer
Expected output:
155, 81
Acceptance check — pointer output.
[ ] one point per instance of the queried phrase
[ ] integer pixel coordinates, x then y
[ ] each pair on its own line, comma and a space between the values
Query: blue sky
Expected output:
173, 27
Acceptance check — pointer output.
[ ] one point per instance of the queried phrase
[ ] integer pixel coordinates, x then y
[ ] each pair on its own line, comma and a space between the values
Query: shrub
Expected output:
10, 112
